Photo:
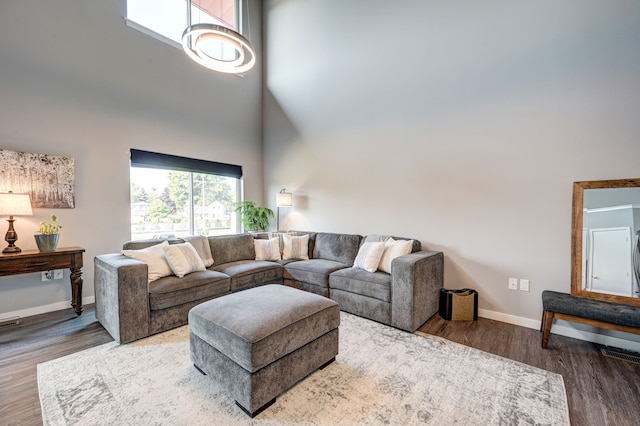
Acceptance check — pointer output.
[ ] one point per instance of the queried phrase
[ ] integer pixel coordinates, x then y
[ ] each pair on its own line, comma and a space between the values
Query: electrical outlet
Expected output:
57, 274
47, 275
513, 284
524, 284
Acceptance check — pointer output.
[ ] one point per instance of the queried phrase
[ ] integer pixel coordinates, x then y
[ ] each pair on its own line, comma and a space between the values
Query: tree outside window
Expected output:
167, 203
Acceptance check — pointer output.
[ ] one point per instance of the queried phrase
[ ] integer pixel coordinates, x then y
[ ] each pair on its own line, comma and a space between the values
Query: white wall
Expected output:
462, 124
76, 81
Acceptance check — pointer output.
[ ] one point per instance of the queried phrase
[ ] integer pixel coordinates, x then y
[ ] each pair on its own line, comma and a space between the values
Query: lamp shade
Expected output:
15, 204
285, 199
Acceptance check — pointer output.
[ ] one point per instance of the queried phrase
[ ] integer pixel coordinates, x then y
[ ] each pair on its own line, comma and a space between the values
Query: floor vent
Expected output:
622, 354
8, 322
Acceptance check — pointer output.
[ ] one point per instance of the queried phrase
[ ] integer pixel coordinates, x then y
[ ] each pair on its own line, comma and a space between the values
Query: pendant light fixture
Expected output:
196, 36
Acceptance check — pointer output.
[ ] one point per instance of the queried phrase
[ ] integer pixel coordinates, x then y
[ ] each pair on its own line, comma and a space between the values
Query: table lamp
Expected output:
14, 205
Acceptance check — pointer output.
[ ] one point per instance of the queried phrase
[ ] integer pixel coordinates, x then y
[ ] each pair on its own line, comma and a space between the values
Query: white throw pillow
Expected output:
183, 259
369, 256
153, 256
295, 247
267, 249
393, 249
201, 244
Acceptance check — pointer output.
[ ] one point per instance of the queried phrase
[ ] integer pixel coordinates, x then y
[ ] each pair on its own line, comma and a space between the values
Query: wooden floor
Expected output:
600, 390
38, 339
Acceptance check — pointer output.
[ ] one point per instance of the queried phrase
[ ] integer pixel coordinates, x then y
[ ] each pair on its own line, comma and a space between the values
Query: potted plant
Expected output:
48, 234
254, 218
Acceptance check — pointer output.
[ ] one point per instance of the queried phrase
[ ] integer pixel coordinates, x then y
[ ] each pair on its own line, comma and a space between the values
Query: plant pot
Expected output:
47, 242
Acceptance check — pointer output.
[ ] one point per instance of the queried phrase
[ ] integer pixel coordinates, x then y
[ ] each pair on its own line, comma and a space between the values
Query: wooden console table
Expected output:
29, 261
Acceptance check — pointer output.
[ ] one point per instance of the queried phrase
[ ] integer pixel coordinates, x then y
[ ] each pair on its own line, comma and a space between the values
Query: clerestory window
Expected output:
167, 19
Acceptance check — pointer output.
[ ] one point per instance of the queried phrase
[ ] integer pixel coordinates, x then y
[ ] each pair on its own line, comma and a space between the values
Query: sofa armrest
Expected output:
122, 296
416, 280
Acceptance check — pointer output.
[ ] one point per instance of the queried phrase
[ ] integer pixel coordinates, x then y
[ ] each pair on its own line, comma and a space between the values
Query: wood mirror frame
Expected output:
576, 239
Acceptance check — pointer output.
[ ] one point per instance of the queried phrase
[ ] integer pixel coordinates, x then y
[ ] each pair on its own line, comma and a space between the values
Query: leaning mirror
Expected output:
605, 246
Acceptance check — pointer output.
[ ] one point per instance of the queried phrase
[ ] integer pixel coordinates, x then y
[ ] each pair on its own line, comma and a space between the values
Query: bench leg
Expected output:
547, 322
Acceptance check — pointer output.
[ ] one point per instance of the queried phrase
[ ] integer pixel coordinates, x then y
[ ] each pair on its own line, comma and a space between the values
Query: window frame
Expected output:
163, 38
154, 160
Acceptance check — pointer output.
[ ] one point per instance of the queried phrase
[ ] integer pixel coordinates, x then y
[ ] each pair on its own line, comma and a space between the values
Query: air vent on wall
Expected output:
622, 354
8, 322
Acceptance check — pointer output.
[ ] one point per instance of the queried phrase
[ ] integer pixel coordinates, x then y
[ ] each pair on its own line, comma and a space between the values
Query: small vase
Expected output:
47, 242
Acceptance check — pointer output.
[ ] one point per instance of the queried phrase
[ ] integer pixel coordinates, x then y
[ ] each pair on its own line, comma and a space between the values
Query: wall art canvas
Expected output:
48, 179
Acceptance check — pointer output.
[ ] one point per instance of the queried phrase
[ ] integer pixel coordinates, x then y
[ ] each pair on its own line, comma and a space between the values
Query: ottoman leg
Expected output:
258, 411
326, 364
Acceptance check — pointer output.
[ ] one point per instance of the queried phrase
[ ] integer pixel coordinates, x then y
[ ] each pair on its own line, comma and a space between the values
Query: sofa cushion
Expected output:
312, 271
369, 256
140, 244
153, 256
358, 281
172, 291
249, 273
416, 245
341, 248
393, 249
202, 246
295, 247
231, 248
183, 259
267, 249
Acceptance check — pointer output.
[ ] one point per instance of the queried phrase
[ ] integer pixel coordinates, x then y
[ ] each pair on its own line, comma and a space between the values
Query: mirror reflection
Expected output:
610, 241
605, 246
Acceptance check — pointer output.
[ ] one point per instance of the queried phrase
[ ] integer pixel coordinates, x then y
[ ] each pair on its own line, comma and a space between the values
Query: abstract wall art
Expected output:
48, 179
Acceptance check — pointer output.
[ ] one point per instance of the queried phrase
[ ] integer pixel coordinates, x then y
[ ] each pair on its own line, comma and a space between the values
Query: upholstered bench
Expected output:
257, 343
563, 306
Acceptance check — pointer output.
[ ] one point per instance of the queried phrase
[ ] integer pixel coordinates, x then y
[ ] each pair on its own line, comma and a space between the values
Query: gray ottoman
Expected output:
259, 342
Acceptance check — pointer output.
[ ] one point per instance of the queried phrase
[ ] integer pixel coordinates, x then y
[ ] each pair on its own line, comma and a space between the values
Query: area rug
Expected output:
381, 376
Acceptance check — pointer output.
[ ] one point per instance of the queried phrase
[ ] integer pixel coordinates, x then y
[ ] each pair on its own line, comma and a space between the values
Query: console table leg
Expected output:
76, 290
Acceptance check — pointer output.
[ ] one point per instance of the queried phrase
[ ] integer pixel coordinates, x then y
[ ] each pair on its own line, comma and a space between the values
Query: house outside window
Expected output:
176, 196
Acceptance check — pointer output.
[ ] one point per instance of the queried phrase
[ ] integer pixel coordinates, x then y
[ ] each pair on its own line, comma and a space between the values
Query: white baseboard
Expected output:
509, 319
58, 306
564, 328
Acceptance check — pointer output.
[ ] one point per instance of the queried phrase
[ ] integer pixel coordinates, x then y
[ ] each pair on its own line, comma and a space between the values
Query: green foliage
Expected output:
253, 218
50, 227
179, 189
138, 194
158, 210
165, 197
216, 188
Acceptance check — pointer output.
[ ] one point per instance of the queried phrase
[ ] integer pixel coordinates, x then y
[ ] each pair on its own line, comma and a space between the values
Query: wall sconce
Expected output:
284, 199
14, 205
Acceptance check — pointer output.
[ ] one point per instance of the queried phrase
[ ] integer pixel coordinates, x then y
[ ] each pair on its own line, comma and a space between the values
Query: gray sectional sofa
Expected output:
129, 307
